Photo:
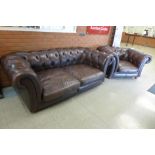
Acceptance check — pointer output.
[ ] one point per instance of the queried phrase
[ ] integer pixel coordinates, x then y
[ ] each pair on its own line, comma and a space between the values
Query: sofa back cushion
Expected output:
60, 57
42, 59
71, 56
93, 58
53, 58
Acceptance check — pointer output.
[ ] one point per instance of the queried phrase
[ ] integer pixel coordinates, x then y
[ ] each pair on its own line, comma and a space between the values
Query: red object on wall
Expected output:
98, 29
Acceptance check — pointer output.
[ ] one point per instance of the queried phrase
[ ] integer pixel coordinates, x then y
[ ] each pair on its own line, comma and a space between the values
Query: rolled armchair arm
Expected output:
22, 76
138, 58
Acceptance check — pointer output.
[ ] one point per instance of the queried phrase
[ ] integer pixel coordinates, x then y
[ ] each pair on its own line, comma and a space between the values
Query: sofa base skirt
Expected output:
89, 86
125, 75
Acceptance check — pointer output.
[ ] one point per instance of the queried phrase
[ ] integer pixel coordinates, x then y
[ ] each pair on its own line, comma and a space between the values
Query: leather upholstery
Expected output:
85, 74
56, 83
19, 71
114, 59
127, 67
46, 77
129, 62
106, 49
42, 60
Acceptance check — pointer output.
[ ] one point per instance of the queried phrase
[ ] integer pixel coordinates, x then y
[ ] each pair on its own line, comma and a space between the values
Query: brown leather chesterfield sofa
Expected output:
46, 77
126, 62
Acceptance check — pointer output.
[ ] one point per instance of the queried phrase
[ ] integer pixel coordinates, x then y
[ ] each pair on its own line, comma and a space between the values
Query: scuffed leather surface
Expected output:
111, 66
113, 50
19, 71
85, 74
42, 59
60, 57
114, 58
42, 77
136, 57
17, 68
135, 61
106, 49
57, 83
71, 56
127, 67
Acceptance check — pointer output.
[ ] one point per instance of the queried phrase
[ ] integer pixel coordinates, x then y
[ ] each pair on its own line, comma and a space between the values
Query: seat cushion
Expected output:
57, 83
127, 67
85, 73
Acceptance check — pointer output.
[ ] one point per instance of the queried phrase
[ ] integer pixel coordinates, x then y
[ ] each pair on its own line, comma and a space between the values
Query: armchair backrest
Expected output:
135, 57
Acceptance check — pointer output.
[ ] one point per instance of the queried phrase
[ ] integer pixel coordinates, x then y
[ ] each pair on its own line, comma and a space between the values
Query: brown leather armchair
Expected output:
131, 63
46, 77
128, 62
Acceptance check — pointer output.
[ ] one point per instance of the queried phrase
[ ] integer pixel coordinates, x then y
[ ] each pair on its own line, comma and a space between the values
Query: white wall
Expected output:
118, 36
65, 29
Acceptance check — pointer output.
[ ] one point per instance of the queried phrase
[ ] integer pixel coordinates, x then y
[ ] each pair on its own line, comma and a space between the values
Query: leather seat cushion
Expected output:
57, 83
85, 74
127, 67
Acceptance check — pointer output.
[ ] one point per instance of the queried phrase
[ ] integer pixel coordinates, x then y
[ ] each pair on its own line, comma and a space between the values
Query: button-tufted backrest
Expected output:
53, 58
107, 49
93, 58
42, 59
59, 57
71, 56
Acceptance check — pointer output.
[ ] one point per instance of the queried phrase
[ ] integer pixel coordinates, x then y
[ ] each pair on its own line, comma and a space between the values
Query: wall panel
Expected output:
14, 41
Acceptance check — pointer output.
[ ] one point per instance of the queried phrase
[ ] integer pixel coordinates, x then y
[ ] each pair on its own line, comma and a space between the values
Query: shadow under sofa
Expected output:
46, 77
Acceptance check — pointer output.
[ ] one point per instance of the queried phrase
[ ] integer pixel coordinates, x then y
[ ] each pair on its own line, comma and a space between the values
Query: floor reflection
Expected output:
146, 103
127, 121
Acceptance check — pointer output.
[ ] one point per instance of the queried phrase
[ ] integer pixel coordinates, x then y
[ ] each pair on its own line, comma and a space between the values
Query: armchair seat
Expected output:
127, 67
57, 83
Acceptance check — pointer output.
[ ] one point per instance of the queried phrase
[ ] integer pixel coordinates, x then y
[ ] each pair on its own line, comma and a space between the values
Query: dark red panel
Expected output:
98, 29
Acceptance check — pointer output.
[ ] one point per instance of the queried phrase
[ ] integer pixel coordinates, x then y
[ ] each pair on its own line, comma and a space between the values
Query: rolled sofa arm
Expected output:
22, 76
108, 60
